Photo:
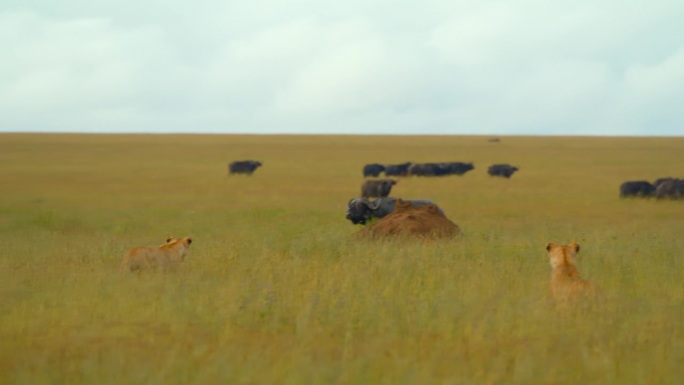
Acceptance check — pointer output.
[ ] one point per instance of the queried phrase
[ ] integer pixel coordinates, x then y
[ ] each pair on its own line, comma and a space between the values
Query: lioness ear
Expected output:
576, 245
189, 240
169, 239
550, 245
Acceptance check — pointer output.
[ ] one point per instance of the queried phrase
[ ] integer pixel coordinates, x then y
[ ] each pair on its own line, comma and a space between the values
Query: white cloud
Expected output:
650, 98
377, 66
344, 80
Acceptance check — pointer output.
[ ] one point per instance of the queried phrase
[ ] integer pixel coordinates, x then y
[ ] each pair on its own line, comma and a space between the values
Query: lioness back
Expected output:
170, 254
566, 285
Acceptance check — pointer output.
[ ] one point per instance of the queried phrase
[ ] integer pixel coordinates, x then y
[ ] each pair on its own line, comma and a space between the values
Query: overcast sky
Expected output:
373, 66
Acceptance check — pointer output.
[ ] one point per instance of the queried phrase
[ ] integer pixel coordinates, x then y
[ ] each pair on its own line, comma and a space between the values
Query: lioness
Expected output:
167, 255
566, 285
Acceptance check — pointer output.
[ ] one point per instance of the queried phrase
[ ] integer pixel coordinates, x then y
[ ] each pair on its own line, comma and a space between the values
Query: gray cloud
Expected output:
490, 67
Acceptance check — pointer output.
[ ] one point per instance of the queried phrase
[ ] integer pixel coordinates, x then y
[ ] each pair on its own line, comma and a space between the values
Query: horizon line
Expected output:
336, 134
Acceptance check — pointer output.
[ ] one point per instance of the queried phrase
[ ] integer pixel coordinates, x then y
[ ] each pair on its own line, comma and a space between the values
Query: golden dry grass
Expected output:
276, 290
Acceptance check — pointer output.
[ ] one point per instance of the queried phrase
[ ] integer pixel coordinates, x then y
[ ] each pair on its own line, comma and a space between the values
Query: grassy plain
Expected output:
275, 290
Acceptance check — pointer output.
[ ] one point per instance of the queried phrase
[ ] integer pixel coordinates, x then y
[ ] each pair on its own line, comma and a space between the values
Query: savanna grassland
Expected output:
276, 290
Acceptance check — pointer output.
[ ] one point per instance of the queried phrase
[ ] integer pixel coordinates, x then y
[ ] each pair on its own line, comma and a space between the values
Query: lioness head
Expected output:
186, 240
181, 246
562, 255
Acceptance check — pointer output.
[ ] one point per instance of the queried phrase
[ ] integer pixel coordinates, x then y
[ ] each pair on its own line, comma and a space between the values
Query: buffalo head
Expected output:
358, 211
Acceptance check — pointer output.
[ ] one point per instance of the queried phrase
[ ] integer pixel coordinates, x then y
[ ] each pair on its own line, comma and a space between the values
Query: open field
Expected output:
274, 289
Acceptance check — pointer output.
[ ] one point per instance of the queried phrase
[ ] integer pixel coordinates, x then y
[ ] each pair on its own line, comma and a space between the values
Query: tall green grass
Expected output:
276, 290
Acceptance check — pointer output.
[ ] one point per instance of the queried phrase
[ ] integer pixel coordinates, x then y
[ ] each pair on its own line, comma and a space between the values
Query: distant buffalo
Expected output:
362, 210
440, 169
377, 188
459, 168
660, 181
423, 169
670, 189
504, 170
373, 169
397, 169
639, 188
243, 167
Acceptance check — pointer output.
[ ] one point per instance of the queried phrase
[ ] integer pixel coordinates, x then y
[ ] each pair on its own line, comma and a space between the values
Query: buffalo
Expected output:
424, 169
377, 187
458, 168
243, 167
397, 169
672, 189
362, 210
373, 169
440, 169
660, 181
504, 170
639, 188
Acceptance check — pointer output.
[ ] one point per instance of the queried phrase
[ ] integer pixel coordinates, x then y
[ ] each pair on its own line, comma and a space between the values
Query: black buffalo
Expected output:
362, 210
504, 170
397, 169
424, 169
639, 188
456, 168
243, 167
440, 169
670, 189
660, 181
377, 188
373, 169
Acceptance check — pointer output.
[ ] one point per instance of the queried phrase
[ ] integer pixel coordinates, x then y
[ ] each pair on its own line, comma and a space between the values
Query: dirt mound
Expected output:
426, 221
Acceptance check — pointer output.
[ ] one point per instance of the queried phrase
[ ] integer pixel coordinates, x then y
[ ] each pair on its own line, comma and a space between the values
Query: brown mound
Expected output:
425, 221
